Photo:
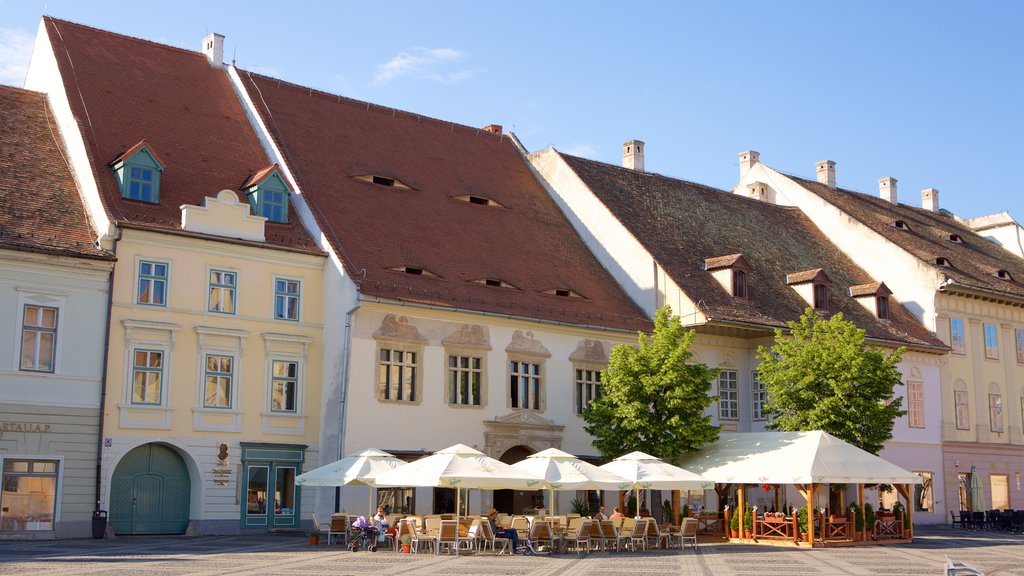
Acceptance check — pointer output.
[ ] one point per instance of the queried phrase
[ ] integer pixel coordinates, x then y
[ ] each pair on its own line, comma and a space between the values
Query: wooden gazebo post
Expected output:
808, 493
677, 507
740, 508
904, 490
860, 502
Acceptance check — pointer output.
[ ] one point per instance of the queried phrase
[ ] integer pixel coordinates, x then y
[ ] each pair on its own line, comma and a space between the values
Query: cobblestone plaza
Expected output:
292, 555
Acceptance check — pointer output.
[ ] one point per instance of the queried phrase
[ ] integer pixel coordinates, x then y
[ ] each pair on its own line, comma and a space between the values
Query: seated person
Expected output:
509, 533
616, 514
600, 514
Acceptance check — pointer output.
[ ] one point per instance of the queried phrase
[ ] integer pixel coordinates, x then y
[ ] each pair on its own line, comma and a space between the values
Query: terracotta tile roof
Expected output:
808, 276
974, 262
872, 289
42, 211
526, 242
730, 261
261, 175
123, 90
681, 224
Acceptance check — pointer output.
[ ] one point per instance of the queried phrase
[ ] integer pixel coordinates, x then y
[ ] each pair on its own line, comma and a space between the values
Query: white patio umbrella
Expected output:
977, 505
647, 472
563, 471
459, 467
359, 468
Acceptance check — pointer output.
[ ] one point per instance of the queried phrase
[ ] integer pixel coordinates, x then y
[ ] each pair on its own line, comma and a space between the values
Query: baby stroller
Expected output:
363, 534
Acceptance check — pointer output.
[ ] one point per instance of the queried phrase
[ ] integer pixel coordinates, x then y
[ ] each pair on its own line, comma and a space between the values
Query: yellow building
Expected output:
212, 388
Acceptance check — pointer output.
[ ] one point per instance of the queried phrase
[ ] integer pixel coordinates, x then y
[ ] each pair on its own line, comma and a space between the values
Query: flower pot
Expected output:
405, 548
735, 533
314, 539
746, 534
805, 537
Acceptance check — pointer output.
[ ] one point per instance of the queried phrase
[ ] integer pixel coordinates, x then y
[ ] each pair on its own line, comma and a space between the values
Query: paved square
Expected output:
292, 555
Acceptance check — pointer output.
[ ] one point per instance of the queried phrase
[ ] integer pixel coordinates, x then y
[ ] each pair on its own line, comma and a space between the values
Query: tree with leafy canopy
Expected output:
653, 399
822, 376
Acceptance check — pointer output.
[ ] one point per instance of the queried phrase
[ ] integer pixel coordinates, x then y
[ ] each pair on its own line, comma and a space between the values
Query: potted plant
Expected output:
748, 522
901, 514
801, 522
869, 520
734, 524
686, 511
406, 542
580, 507
858, 521
314, 536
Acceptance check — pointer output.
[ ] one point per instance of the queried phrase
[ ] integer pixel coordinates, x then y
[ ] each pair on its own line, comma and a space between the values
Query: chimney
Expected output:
930, 199
887, 189
213, 47
747, 160
496, 128
827, 173
633, 155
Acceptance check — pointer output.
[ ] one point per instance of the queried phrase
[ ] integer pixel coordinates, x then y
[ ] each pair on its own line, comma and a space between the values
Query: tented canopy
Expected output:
460, 466
792, 458
647, 472
563, 471
359, 468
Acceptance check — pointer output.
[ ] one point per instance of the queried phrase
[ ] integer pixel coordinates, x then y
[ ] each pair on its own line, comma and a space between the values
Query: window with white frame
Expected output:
915, 404
956, 336
29, 494
147, 376
284, 385
995, 412
396, 379
286, 299
991, 341
152, 286
588, 388
465, 376
219, 381
222, 291
38, 338
962, 407
525, 384
728, 395
759, 397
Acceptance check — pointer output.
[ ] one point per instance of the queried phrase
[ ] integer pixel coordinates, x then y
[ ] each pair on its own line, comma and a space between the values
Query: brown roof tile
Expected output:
871, 289
808, 276
42, 211
526, 242
681, 224
730, 261
972, 263
123, 90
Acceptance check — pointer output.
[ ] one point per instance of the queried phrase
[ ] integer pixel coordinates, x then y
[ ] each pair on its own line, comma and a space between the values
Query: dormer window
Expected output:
268, 194
956, 239
730, 272
1003, 275
900, 225
563, 292
383, 181
812, 285
138, 173
497, 283
479, 200
820, 297
739, 283
874, 297
415, 271
944, 262
882, 305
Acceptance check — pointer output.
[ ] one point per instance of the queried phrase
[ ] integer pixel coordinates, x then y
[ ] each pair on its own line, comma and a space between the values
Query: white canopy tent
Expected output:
563, 471
359, 468
644, 471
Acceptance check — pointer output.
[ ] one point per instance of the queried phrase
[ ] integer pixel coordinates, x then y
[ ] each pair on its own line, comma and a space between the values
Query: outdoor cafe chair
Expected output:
487, 538
431, 524
611, 535
405, 527
655, 535
521, 524
596, 535
472, 537
540, 532
688, 532
448, 535
328, 528
639, 534
419, 538
580, 538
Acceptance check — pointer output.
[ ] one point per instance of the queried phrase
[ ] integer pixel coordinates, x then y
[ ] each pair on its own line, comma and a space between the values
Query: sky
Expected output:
928, 92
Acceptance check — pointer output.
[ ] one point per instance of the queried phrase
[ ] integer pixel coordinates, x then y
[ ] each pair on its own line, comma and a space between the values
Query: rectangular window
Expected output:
956, 336
963, 416
286, 299
991, 342
820, 297
1019, 335
274, 204
257, 490
915, 404
464, 376
284, 385
147, 376
759, 397
152, 284
29, 495
524, 384
1000, 484
219, 376
284, 491
222, 291
38, 338
588, 388
397, 375
924, 497
995, 412
728, 395
140, 184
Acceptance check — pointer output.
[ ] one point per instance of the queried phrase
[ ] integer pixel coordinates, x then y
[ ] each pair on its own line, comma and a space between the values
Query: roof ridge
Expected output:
641, 172
366, 103
872, 196
118, 34
9, 88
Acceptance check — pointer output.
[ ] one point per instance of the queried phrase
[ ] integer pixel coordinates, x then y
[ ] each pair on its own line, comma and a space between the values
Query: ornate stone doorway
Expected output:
514, 501
511, 438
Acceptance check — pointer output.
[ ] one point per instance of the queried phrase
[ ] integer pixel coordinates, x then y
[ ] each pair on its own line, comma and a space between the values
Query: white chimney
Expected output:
747, 160
827, 173
213, 47
633, 155
887, 189
930, 199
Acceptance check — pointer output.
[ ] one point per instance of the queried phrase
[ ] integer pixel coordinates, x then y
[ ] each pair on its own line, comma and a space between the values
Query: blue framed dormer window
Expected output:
268, 194
138, 173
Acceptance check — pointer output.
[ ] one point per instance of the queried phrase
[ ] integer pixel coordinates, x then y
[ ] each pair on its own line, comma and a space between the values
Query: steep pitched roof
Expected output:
973, 262
681, 224
42, 211
123, 90
377, 229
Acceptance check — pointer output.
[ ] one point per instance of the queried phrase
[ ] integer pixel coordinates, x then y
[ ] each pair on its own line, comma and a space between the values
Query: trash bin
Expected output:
99, 523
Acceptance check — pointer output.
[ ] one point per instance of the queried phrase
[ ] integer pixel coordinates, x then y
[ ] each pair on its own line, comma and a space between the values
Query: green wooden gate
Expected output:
149, 493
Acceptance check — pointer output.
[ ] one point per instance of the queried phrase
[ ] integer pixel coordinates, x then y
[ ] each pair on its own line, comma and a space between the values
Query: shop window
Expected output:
29, 498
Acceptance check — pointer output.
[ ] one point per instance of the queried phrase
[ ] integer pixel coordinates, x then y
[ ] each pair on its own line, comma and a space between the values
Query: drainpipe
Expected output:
103, 376
345, 371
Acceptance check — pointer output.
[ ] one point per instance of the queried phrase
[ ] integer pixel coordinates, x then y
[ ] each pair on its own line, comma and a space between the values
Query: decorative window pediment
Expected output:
138, 172
268, 194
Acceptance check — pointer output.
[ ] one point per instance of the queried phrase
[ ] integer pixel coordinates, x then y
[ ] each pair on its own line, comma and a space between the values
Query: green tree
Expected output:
653, 399
822, 376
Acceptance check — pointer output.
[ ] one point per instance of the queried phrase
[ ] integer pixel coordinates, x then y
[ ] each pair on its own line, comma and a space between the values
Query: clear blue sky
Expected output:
930, 93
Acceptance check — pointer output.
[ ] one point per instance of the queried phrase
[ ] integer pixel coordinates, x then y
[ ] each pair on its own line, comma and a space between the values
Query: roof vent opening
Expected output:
415, 271
900, 225
1003, 275
940, 261
382, 180
563, 292
496, 282
956, 239
478, 200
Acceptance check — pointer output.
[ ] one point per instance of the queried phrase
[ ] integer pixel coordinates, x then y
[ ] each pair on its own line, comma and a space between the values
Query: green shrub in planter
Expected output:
734, 520
858, 519
748, 518
801, 520
869, 517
